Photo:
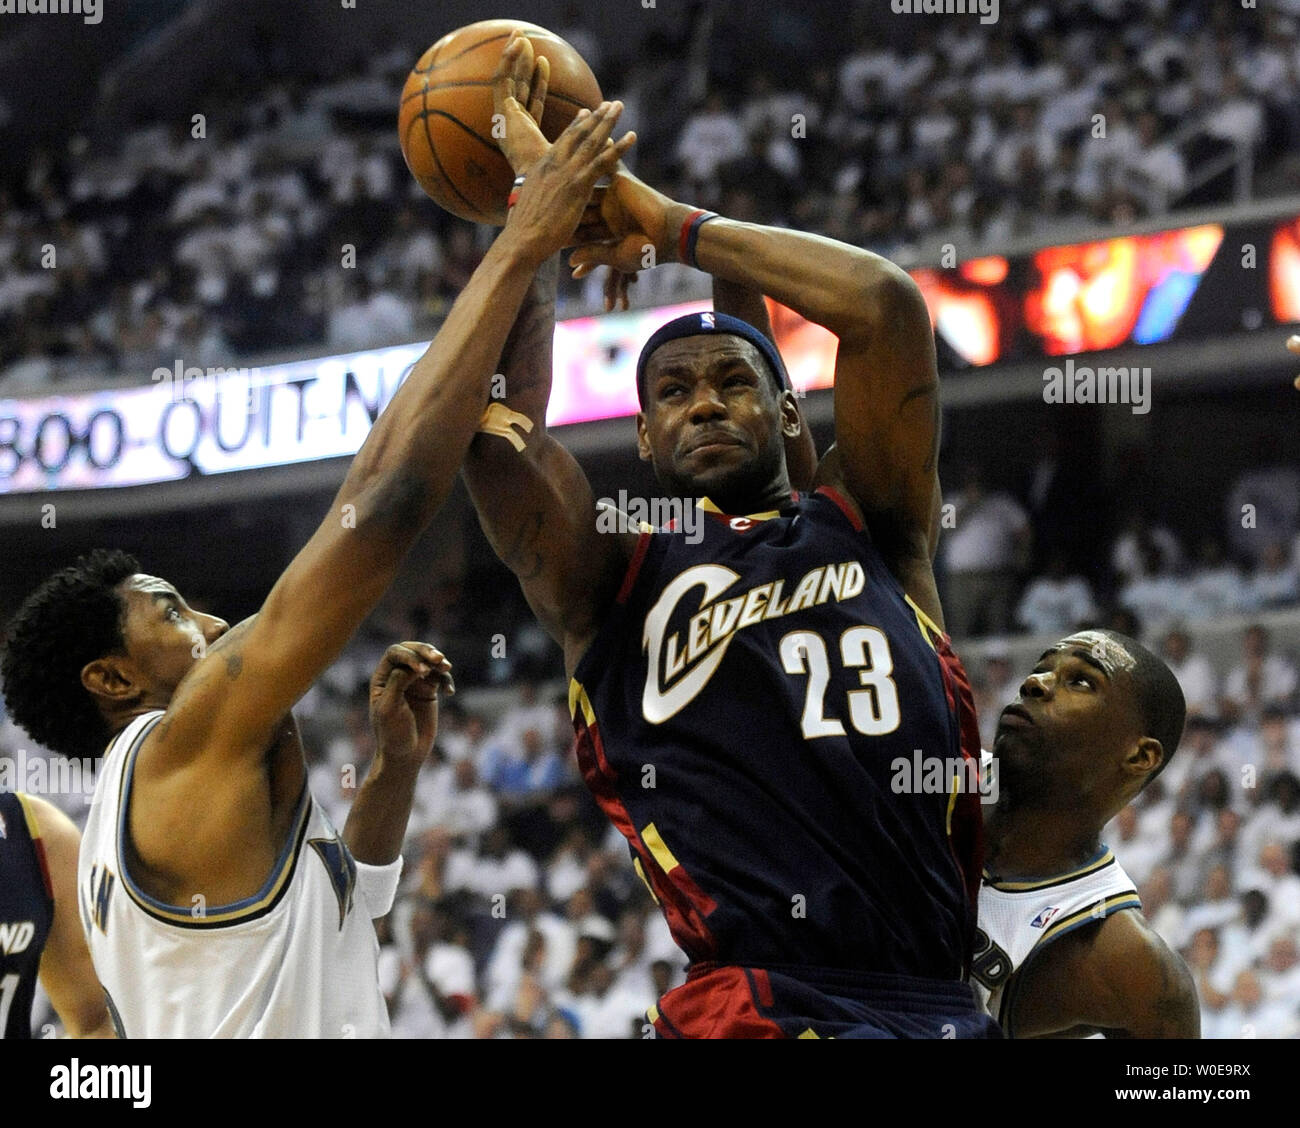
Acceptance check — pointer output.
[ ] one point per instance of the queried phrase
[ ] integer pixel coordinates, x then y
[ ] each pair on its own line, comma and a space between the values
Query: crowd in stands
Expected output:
286, 220
1007, 569
1214, 847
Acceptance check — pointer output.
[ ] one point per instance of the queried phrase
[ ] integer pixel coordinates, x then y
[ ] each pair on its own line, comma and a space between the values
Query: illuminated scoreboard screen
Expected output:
1182, 284
1133, 290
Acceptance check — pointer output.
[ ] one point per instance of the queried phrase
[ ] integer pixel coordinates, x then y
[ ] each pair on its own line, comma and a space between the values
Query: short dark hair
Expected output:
1160, 702
73, 618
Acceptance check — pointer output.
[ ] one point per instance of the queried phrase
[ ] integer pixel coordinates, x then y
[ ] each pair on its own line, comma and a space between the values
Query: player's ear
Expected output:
791, 420
642, 437
1144, 757
110, 678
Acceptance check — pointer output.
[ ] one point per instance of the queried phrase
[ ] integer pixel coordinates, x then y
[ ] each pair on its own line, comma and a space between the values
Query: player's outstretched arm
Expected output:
67, 973
234, 698
533, 499
747, 303
886, 375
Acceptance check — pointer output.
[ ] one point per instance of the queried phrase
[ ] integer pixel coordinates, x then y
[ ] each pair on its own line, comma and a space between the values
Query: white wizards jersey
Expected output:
298, 959
1018, 919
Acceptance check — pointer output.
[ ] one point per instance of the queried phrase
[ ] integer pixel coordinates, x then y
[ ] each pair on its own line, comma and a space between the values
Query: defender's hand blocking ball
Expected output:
445, 121
554, 208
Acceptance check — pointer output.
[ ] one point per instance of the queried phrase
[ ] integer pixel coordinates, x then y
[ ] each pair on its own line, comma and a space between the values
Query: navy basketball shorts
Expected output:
725, 1001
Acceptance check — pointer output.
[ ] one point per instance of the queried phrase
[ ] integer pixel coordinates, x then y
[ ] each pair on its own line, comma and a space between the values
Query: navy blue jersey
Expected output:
743, 717
26, 913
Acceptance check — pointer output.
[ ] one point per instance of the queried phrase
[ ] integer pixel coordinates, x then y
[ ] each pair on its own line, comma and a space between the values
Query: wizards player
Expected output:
1063, 949
739, 701
40, 933
217, 897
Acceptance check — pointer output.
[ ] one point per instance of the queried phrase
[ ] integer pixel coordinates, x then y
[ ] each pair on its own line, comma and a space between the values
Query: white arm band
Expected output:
378, 885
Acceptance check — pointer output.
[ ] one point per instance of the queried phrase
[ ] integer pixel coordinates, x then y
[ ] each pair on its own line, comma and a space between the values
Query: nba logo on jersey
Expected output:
707, 321
4, 832
1040, 921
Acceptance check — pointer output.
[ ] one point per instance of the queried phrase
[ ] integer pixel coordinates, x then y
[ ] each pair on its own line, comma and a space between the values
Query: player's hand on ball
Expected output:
519, 96
593, 229
404, 699
1293, 343
641, 229
553, 203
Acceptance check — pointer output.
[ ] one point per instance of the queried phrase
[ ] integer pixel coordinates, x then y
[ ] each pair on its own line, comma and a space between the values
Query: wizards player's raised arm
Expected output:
533, 499
203, 810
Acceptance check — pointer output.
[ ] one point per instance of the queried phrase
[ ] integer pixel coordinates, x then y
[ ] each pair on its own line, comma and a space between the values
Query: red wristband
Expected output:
685, 235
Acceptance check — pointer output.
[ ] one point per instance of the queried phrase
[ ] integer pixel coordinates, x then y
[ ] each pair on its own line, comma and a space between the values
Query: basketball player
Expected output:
217, 897
738, 700
1063, 949
40, 933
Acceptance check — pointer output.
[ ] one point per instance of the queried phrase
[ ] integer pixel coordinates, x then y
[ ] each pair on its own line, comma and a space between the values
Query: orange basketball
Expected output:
445, 119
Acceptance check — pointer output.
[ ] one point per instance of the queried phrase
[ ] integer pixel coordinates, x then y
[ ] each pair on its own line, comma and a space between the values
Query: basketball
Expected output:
445, 117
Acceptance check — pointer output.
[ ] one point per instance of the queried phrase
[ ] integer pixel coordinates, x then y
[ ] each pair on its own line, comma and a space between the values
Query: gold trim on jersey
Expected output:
640, 872
1097, 911
202, 916
766, 515
39, 853
659, 848
578, 699
1101, 862
925, 623
29, 816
